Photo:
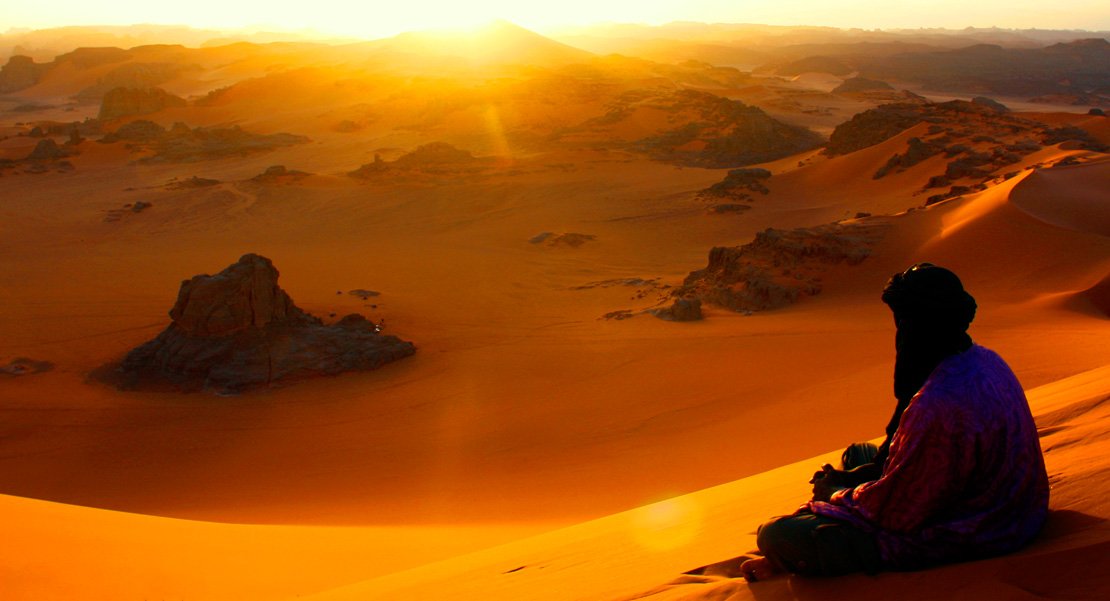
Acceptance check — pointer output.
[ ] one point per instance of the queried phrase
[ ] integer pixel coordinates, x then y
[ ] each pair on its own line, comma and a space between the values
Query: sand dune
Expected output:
524, 410
622, 556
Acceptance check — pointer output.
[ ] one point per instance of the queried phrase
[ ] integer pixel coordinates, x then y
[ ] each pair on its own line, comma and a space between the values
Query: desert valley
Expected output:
618, 286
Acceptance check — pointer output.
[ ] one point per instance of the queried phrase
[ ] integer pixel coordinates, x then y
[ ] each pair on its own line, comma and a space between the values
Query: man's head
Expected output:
929, 297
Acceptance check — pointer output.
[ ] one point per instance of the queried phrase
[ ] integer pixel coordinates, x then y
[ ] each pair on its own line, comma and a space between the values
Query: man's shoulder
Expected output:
971, 370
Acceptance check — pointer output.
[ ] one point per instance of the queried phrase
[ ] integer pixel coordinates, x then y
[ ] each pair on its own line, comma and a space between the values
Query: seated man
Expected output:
960, 475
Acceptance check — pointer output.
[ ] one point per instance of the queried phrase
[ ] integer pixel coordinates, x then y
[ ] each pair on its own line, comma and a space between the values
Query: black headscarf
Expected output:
932, 312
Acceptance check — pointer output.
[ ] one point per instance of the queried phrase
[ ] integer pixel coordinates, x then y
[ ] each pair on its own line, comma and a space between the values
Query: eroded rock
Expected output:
779, 267
123, 102
238, 329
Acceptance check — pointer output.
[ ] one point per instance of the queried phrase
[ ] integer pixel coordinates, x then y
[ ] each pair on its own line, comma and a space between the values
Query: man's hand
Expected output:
827, 481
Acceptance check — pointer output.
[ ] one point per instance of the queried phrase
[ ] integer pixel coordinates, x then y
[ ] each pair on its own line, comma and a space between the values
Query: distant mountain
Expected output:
499, 42
45, 44
1078, 66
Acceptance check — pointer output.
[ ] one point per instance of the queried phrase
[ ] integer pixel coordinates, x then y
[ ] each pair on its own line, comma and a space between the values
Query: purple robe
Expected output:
965, 477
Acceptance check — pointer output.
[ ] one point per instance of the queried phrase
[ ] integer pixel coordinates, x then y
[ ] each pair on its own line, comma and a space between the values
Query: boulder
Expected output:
683, 309
238, 329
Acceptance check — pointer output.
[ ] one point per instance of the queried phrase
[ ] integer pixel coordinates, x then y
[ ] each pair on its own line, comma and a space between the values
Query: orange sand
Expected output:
522, 411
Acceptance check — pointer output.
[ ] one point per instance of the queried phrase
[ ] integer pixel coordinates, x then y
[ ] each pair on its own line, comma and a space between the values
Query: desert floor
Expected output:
485, 465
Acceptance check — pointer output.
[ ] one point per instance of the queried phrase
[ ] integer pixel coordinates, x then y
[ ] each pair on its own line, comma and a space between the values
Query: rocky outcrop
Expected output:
717, 132
132, 75
21, 366
238, 329
20, 72
571, 239
125, 102
978, 138
738, 185
1067, 68
136, 131
990, 103
780, 267
279, 174
181, 143
916, 151
873, 126
48, 150
683, 309
431, 158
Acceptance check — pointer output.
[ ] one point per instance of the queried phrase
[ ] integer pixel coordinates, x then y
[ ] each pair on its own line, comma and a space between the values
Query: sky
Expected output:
374, 18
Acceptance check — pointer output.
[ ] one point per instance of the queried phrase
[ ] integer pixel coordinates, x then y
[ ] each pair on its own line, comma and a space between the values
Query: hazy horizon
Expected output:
373, 20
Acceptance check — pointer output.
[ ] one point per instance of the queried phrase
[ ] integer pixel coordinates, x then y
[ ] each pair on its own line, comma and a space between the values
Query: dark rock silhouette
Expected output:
21, 366
572, 239
181, 143
990, 103
683, 309
873, 126
780, 267
980, 137
861, 84
124, 102
238, 329
1076, 66
278, 174
737, 185
46, 150
916, 151
434, 157
136, 131
191, 183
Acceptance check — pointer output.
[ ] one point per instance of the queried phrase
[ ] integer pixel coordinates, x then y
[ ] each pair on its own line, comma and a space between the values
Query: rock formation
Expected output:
238, 329
738, 184
184, 144
978, 138
136, 131
873, 126
48, 150
21, 366
20, 72
779, 267
683, 309
990, 103
278, 174
431, 158
571, 239
124, 102
712, 131
861, 84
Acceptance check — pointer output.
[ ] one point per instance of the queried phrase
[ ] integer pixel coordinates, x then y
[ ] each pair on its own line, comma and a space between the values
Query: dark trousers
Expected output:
814, 545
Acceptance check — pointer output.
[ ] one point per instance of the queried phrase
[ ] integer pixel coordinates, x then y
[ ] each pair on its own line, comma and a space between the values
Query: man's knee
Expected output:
770, 535
857, 454
787, 542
